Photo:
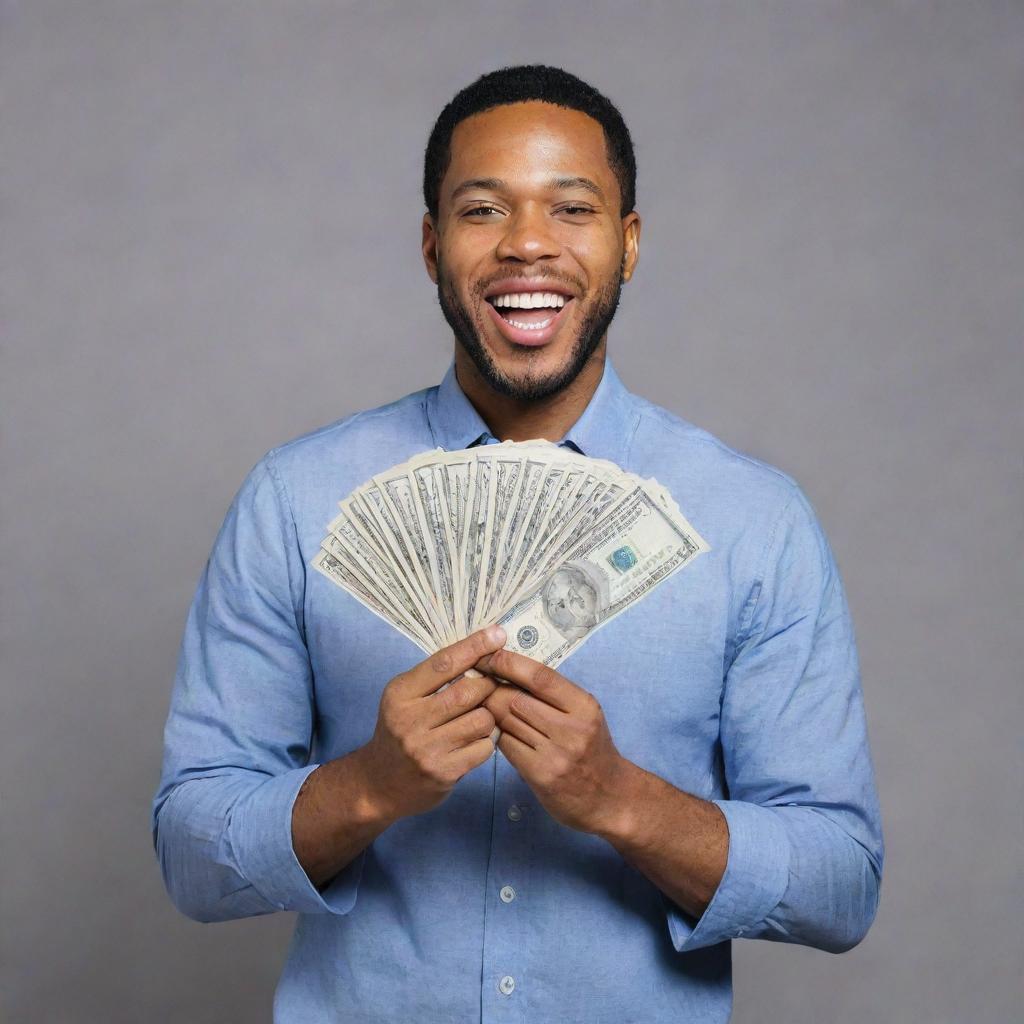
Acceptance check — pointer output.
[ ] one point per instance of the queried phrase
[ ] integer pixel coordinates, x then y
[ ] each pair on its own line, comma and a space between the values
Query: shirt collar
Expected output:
604, 430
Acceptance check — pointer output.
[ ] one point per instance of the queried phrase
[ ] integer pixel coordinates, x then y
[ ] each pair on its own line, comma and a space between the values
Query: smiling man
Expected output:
699, 770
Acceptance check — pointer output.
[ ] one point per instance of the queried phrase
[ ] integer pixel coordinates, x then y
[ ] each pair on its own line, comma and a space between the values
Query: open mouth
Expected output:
529, 318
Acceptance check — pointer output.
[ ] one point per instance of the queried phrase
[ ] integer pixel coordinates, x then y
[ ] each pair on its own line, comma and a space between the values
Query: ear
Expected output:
630, 243
430, 246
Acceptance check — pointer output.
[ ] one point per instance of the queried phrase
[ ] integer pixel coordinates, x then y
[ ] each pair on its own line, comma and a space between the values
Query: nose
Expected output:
528, 237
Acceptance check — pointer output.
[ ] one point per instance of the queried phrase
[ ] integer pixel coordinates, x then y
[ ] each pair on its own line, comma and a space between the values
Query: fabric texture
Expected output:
737, 680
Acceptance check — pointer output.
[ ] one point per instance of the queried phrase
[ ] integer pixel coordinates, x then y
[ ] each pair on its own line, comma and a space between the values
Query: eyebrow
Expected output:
555, 185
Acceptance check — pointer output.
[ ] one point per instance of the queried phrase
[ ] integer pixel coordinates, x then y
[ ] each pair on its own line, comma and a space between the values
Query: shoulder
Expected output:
753, 509
383, 423
665, 441
356, 446
310, 473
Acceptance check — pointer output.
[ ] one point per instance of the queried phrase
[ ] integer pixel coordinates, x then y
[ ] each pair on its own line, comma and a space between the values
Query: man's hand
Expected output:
556, 737
425, 741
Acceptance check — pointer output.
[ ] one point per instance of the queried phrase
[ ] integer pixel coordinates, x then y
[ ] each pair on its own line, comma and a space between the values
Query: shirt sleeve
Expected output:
805, 840
239, 731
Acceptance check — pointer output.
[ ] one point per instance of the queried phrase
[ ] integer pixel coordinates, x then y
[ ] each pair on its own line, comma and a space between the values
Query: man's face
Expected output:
529, 206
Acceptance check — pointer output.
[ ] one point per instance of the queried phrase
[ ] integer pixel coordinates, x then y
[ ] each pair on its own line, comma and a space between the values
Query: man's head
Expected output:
529, 182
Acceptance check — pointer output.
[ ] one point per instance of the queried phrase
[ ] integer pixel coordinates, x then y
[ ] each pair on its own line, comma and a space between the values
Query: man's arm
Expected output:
795, 852
335, 817
238, 734
803, 837
427, 736
680, 842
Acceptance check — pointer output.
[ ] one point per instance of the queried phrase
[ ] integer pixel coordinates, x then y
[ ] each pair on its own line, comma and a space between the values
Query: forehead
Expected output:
529, 143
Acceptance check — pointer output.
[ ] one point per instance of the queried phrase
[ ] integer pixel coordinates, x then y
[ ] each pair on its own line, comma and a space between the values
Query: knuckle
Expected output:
410, 748
391, 714
543, 677
437, 770
578, 744
446, 698
391, 693
442, 661
483, 719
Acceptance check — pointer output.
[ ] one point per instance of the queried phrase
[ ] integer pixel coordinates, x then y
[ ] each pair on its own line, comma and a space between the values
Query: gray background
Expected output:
211, 245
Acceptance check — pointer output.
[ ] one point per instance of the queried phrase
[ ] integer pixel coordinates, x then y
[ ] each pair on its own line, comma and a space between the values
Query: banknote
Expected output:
637, 546
547, 542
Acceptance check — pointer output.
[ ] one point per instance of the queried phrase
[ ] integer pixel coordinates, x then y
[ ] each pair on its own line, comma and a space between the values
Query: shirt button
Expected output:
514, 813
506, 985
507, 894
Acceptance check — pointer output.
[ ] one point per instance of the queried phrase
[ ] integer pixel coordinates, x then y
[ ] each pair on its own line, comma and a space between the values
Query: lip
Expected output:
529, 339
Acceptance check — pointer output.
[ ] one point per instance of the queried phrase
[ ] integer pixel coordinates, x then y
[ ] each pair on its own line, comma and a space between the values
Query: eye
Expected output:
576, 211
479, 211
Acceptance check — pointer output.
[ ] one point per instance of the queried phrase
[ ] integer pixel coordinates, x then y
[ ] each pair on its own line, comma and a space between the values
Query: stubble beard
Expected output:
528, 387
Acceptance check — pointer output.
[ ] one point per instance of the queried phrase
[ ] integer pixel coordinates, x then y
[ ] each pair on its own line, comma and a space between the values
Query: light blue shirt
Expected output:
736, 680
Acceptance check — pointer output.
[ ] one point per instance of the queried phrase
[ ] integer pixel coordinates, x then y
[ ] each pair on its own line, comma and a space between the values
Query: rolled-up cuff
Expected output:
755, 880
260, 835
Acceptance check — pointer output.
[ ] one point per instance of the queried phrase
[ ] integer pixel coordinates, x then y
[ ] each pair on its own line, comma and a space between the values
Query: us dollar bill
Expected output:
550, 543
626, 556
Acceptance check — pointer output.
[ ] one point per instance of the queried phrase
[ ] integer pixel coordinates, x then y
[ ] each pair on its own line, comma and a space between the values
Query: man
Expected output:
700, 771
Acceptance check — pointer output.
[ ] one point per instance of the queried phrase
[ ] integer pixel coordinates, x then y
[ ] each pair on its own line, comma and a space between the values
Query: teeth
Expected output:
532, 327
529, 300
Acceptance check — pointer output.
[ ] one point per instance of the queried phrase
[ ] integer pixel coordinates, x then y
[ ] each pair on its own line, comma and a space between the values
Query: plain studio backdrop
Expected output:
211, 224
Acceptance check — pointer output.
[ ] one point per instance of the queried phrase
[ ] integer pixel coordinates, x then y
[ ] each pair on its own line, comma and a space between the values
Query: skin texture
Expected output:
553, 730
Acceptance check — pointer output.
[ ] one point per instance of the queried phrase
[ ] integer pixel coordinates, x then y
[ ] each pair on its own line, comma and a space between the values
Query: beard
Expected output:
529, 387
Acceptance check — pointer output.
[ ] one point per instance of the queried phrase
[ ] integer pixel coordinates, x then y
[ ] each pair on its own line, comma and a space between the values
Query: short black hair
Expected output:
518, 85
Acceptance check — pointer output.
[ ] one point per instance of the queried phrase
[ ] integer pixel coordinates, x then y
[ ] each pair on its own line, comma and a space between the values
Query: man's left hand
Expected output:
556, 737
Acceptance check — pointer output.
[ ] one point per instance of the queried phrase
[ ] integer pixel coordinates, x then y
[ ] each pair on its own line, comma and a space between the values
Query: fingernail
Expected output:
496, 634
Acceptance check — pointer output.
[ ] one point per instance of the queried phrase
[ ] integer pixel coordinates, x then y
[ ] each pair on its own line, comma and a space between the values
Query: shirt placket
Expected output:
506, 971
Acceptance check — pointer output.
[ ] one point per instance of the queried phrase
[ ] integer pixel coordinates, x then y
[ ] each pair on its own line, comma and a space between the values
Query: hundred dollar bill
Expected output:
635, 549
339, 573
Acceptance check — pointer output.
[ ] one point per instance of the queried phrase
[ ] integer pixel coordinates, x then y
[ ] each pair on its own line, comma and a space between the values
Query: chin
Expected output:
529, 374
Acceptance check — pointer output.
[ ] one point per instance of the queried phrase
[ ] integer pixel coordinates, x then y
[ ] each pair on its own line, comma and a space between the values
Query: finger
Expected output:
543, 682
468, 728
474, 755
520, 755
499, 702
449, 663
524, 731
539, 715
455, 699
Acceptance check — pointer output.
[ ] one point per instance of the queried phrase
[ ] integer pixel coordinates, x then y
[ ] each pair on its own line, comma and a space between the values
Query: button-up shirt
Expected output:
735, 680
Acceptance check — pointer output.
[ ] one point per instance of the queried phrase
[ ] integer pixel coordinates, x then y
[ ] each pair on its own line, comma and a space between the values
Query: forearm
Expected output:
680, 842
336, 815
794, 874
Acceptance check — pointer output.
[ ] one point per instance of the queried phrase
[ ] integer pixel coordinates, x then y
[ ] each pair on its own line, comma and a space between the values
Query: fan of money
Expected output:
546, 542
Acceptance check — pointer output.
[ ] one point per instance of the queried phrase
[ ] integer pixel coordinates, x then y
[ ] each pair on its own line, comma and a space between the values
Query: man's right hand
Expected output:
426, 740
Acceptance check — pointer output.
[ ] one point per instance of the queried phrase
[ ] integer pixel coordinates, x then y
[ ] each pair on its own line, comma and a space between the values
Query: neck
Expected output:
511, 419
